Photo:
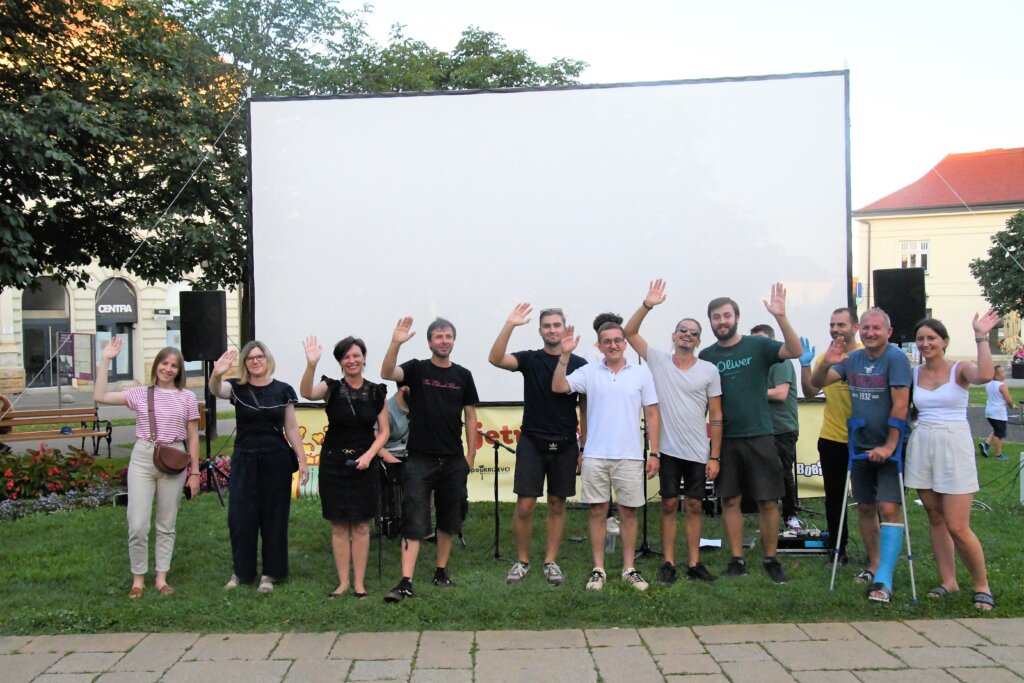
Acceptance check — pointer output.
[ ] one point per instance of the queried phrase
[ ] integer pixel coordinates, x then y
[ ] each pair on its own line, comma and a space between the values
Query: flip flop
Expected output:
940, 592
865, 577
884, 593
985, 602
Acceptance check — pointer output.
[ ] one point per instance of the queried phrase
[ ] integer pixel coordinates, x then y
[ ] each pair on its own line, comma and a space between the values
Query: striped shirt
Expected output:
174, 410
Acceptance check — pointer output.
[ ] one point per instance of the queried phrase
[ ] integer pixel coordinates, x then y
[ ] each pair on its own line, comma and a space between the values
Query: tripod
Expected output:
497, 516
207, 465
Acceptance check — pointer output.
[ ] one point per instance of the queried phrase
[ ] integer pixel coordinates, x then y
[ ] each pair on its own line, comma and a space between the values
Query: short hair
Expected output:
342, 347
692, 320
933, 324
550, 311
722, 301
848, 311
996, 368
875, 311
603, 318
244, 353
610, 325
179, 379
763, 329
440, 324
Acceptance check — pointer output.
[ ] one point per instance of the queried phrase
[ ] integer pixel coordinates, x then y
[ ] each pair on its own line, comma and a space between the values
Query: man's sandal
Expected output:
940, 592
984, 601
879, 592
865, 577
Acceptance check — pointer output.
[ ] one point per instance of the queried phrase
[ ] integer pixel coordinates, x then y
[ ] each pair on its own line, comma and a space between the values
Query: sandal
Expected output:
985, 602
360, 596
165, 589
135, 593
865, 577
939, 592
879, 592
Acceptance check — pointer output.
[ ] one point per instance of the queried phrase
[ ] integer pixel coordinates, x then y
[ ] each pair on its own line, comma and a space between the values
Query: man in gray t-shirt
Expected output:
688, 389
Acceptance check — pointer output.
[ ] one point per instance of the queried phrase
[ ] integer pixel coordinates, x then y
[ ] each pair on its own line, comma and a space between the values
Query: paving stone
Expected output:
999, 631
375, 646
824, 655
890, 633
687, 664
129, 677
706, 678
528, 640
96, 642
748, 633
148, 659
64, 678
318, 669
612, 637
906, 676
1010, 656
501, 666
738, 652
669, 640
85, 662
629, 664
825, 677
442, 676
831, 631
220, 647
756, 672
940, 657
9, 645
167, 641
946, 632
304, 646
381, 670
228, 671
18, 668
445, 650
984, 675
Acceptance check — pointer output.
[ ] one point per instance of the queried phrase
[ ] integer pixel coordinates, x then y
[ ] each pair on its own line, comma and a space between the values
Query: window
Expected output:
914, 255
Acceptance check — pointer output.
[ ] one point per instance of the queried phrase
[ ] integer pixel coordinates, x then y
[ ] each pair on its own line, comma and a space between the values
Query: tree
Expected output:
1001, 274
105, 110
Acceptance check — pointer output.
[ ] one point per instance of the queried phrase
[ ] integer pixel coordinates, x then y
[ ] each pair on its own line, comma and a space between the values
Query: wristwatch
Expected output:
654, 454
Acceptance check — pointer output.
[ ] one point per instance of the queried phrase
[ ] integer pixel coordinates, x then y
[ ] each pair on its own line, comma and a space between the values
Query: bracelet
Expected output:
715, 459
194, 474
654, 454
978, 340
566, 363
644, 304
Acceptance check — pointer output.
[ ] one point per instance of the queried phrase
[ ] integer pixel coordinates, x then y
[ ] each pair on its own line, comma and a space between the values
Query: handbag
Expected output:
166, 458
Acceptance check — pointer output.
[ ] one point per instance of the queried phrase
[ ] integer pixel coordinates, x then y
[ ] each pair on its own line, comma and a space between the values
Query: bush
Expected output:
46, 471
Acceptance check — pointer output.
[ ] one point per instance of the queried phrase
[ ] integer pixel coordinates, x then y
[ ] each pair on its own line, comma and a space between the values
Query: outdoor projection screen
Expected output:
460, 205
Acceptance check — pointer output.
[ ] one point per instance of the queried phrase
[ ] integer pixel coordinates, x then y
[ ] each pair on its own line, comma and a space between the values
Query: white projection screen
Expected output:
460, 205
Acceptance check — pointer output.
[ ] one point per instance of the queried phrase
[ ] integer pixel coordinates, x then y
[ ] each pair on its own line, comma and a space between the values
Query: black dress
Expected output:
348, 494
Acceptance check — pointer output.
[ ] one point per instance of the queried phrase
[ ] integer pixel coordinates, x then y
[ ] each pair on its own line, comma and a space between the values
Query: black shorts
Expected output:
445, 477
532, 466
998, 427
750, 465
693, 476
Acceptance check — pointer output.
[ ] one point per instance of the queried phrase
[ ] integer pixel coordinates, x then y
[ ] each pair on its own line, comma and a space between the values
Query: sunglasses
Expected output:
687, 330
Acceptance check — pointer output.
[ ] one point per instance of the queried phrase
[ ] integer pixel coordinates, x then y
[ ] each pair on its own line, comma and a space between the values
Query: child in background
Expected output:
995, 411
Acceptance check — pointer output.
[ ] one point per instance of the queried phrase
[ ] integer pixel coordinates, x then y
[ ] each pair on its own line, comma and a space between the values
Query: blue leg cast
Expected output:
890, 544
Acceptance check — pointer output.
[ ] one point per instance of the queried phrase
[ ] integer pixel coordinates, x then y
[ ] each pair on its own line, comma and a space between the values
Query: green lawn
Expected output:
69, 573
978, 396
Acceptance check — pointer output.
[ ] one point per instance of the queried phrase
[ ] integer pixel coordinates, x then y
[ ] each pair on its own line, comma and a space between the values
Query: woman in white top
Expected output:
177, 420
940, 456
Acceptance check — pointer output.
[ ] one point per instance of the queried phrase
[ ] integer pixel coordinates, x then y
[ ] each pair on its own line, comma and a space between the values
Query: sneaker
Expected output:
1001, 457
667, 574
518, 572
737, 567
553, 573
699, 572
774, 569
441, 578
612, 526
232, 583
596, 580
266, 584
983, 448
794, 524
400, 592
632, 577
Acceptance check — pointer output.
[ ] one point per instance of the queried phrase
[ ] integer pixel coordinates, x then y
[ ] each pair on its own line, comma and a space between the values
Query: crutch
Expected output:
853, 424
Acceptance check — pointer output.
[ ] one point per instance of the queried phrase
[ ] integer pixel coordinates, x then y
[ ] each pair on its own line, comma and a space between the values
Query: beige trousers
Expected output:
145, 482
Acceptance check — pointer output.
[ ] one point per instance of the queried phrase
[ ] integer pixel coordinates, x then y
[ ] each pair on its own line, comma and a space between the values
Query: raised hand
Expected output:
834, 351
520, 315
313, 351
112, 348
569, 342
403, 331
223, 364
984, 324
656, 293
807, 357
776, 303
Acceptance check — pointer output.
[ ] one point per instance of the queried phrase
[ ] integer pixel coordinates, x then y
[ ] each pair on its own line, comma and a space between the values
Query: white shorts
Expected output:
601, 476
940, 457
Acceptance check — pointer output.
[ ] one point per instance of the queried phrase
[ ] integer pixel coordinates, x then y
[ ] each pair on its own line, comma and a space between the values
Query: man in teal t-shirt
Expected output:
749, 461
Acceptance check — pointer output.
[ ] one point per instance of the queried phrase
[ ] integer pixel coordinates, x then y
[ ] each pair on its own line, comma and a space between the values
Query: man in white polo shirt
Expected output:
616, 391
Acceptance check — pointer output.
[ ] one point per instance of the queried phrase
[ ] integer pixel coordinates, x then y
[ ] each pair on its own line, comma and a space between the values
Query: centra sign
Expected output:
115, 308
116, 303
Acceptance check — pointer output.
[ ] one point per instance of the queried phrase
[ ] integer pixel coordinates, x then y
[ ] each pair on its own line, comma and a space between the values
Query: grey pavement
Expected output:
966, 650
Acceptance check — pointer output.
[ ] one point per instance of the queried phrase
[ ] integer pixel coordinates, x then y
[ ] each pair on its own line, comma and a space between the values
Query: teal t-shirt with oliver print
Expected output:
744, 370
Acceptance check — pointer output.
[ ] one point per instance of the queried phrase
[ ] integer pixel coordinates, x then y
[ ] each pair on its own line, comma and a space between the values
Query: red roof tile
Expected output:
995, 176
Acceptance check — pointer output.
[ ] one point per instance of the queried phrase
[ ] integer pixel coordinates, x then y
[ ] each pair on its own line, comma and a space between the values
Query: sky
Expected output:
926, 78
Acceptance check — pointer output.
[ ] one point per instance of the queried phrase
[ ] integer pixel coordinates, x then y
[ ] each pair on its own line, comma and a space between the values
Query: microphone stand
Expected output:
644, 550
497, 517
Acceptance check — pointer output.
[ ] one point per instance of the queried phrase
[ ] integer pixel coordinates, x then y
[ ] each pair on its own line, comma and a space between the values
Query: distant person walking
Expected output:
998, 403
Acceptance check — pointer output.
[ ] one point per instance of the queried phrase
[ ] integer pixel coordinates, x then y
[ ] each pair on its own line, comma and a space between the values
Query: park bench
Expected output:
89, 426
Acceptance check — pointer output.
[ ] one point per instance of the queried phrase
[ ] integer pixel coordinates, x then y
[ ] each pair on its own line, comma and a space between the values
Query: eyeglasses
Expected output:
687, 330
613, 342
252, 359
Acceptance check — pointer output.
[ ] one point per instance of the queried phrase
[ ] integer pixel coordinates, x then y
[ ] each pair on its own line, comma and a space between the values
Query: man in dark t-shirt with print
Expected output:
441, 394
547, 441
749, 460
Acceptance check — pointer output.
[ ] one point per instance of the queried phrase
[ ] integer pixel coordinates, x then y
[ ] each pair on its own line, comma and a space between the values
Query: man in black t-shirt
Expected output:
441, 393
547, 442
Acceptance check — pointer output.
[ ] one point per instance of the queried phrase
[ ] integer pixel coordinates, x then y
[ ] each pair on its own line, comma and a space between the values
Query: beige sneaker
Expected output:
596, 580
632, 577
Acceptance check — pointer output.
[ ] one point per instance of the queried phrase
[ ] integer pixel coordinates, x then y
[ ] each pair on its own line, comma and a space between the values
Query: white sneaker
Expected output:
596, 580
518, 572
632, 577
266, 584
794, 524
232, 583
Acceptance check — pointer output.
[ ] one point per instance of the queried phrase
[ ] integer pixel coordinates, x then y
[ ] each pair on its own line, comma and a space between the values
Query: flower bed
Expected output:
46, 471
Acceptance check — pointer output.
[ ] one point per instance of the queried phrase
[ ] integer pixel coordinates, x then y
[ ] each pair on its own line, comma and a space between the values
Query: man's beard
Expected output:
728, 334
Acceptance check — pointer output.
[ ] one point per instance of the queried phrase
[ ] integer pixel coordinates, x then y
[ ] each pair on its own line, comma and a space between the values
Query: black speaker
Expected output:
204, 325
900, 293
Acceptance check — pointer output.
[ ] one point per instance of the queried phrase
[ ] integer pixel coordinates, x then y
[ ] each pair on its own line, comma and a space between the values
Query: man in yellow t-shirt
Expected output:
832, 449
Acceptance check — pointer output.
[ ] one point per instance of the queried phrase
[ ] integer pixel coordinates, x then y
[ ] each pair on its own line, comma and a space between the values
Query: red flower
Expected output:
10, 486
8, 472
53, 470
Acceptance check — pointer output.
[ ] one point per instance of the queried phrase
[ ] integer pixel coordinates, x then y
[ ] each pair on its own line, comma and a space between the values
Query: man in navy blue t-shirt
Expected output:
547, 441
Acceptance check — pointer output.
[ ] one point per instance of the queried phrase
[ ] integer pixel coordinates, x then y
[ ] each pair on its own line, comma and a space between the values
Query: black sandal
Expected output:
985, 602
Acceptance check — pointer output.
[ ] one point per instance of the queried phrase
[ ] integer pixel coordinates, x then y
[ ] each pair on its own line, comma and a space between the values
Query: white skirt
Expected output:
940, 457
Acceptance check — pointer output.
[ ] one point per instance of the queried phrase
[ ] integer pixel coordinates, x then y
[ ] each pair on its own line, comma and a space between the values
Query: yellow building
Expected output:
941, 223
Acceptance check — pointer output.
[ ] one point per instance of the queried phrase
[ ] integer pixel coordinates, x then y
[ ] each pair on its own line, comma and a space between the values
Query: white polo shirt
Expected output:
614, 401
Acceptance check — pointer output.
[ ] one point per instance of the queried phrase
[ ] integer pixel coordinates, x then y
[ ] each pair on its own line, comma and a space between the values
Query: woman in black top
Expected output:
349, 477
268, 450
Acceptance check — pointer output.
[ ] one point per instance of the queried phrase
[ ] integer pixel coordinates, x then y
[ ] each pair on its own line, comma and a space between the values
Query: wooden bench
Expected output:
88, 419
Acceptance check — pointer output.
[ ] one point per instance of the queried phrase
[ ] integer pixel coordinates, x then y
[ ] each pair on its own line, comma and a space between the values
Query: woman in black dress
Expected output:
349, 477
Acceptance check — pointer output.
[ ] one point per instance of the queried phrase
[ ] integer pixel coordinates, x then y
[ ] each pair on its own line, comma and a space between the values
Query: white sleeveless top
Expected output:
948, 403
995, 407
